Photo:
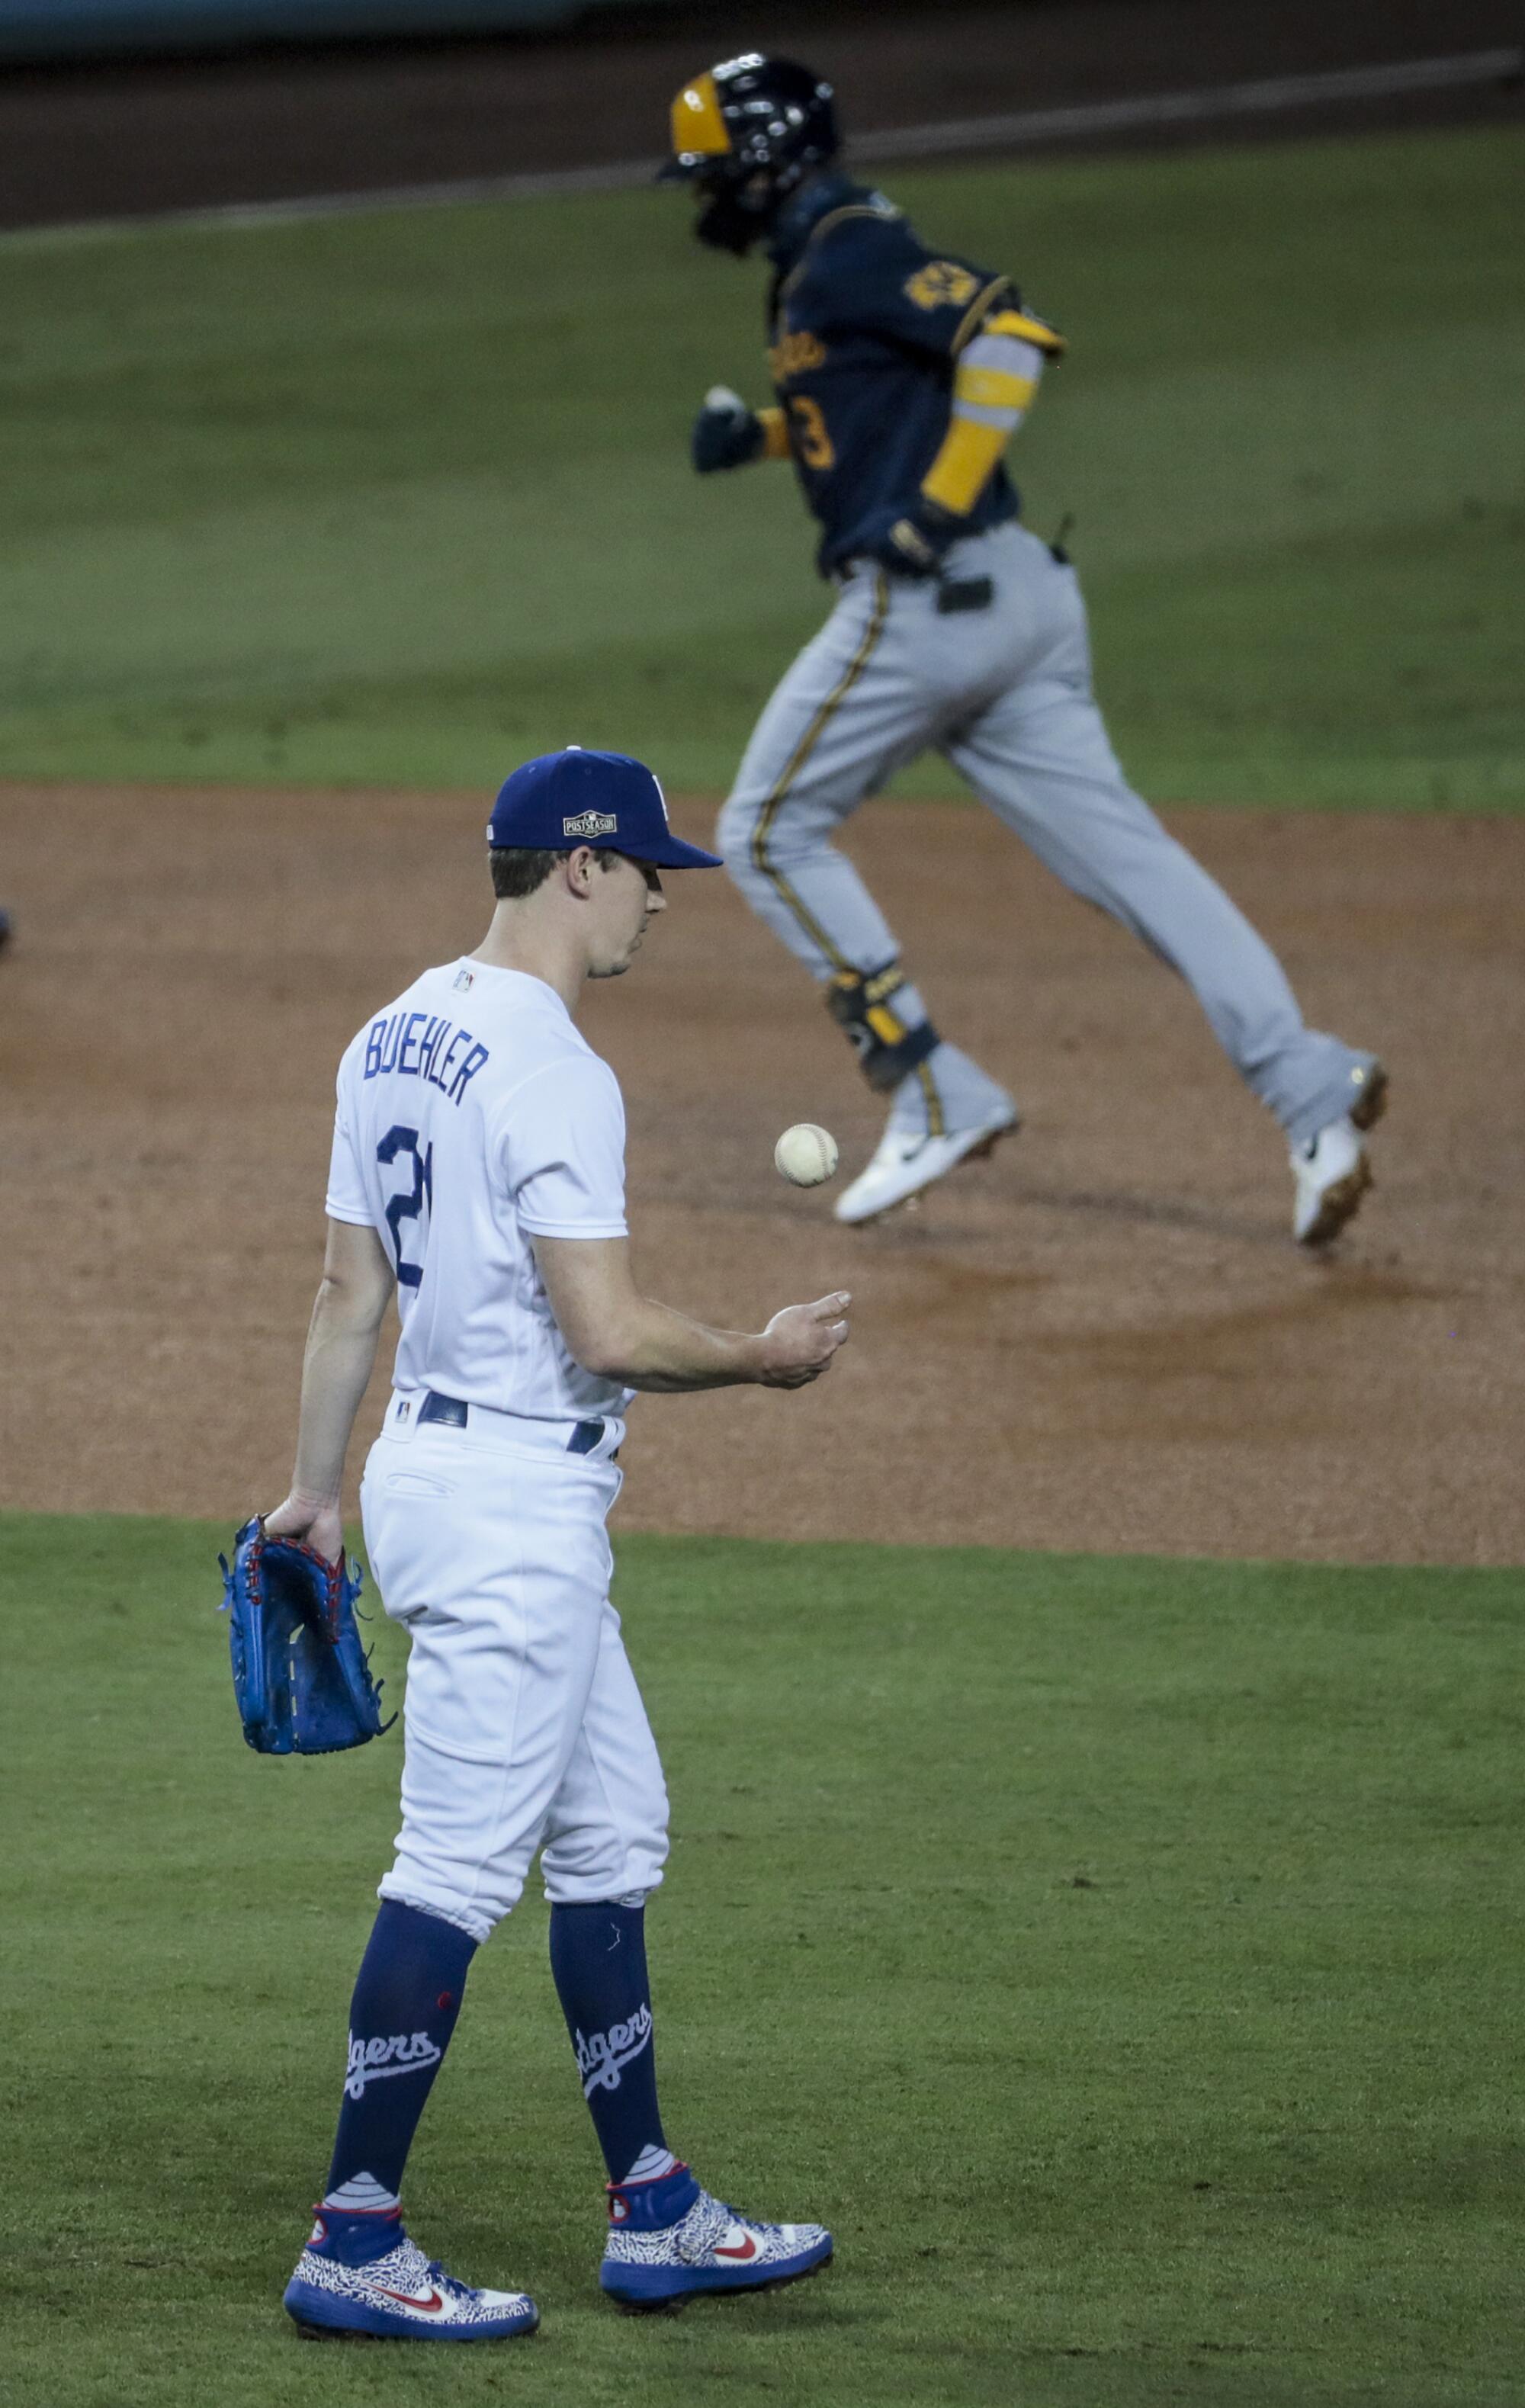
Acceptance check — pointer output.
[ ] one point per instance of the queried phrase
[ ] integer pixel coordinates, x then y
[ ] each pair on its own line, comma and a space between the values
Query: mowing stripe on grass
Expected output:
296, 511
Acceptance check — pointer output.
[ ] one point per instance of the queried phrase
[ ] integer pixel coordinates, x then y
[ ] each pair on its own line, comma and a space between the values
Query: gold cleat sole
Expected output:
1339, 1205
1366, 1113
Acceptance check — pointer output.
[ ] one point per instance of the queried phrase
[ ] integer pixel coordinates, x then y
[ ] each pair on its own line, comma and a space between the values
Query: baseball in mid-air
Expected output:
806, 1155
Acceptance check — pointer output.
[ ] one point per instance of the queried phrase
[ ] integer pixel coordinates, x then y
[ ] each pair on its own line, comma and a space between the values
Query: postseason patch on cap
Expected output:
561, 800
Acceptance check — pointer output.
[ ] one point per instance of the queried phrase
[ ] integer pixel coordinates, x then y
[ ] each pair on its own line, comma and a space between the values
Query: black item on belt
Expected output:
964, 593
454, 1414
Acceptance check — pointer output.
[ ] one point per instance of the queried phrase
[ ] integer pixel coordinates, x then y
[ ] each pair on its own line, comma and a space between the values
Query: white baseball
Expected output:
806, 1155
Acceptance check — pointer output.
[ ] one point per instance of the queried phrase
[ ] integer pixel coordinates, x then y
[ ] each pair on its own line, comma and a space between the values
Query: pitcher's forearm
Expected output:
616, 1333
662, 1352
335, 1372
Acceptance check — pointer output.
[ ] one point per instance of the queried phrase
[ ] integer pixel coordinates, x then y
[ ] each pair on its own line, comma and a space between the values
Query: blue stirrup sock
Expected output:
406, 1997
598, 1964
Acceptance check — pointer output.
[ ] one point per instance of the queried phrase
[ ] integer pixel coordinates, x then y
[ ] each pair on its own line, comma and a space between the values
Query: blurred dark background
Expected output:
116, 107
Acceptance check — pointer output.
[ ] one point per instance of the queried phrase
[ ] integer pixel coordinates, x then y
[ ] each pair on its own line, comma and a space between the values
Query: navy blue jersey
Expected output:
863, 334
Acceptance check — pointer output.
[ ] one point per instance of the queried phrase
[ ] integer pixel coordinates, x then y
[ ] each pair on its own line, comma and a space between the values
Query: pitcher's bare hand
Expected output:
799, 1343
315, 1526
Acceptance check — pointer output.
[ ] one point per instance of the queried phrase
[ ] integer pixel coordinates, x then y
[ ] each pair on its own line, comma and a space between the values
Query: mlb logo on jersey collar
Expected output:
603, 799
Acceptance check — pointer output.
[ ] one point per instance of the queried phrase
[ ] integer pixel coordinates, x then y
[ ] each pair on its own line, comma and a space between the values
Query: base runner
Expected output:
899, 374
478, 1170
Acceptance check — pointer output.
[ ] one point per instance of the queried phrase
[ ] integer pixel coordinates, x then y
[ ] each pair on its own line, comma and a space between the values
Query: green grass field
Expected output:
405, 497
1120, 1954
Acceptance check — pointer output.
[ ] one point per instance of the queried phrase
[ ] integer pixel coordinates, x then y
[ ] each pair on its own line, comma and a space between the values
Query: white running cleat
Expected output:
402, 2295
907, 1160
1330, 1172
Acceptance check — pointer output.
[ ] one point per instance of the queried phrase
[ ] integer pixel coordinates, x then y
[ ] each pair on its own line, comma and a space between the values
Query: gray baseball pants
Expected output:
1005, 694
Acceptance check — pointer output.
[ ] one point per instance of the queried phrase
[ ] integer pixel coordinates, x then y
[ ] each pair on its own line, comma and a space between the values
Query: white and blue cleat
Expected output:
399, 2296
709, 2248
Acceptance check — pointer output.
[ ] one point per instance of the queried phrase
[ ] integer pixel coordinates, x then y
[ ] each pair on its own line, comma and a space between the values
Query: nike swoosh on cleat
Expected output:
430, 2307
747, 2250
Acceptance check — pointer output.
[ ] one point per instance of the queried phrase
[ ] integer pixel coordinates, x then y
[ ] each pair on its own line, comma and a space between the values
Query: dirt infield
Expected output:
1102, 1340
122, 139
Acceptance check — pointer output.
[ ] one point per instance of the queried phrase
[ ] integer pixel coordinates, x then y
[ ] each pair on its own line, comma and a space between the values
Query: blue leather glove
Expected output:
300, 1671
727, 433
909, 542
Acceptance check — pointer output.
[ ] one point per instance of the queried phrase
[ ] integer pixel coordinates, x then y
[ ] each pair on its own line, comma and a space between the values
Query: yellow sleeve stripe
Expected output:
962, 468
992, 388
1031, 330
775, 427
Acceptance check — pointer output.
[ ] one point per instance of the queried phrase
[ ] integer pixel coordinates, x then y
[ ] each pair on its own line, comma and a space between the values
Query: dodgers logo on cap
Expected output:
603, 799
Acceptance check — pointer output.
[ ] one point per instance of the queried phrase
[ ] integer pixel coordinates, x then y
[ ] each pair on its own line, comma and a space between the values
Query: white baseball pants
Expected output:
1004, 692
524, 1727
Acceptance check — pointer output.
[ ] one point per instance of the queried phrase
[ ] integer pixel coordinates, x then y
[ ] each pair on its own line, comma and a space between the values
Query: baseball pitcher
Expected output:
900, 375
478, 1173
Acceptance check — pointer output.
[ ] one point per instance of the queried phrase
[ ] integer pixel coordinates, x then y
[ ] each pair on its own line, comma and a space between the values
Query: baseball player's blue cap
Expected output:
604, 800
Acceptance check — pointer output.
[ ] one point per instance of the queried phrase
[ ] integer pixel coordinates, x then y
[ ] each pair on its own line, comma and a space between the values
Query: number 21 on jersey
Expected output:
409, 1204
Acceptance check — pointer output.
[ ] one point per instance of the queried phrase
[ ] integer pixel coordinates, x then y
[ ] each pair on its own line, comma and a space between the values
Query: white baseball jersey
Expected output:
473, 1117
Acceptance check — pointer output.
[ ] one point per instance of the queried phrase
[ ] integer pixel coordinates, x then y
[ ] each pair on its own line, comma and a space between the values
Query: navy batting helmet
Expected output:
745, 133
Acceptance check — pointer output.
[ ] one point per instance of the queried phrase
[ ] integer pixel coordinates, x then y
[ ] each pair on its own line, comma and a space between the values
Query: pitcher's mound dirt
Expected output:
1103, 1338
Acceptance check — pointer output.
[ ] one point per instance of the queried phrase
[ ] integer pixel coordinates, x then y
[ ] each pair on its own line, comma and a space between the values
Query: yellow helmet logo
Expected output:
698, 130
